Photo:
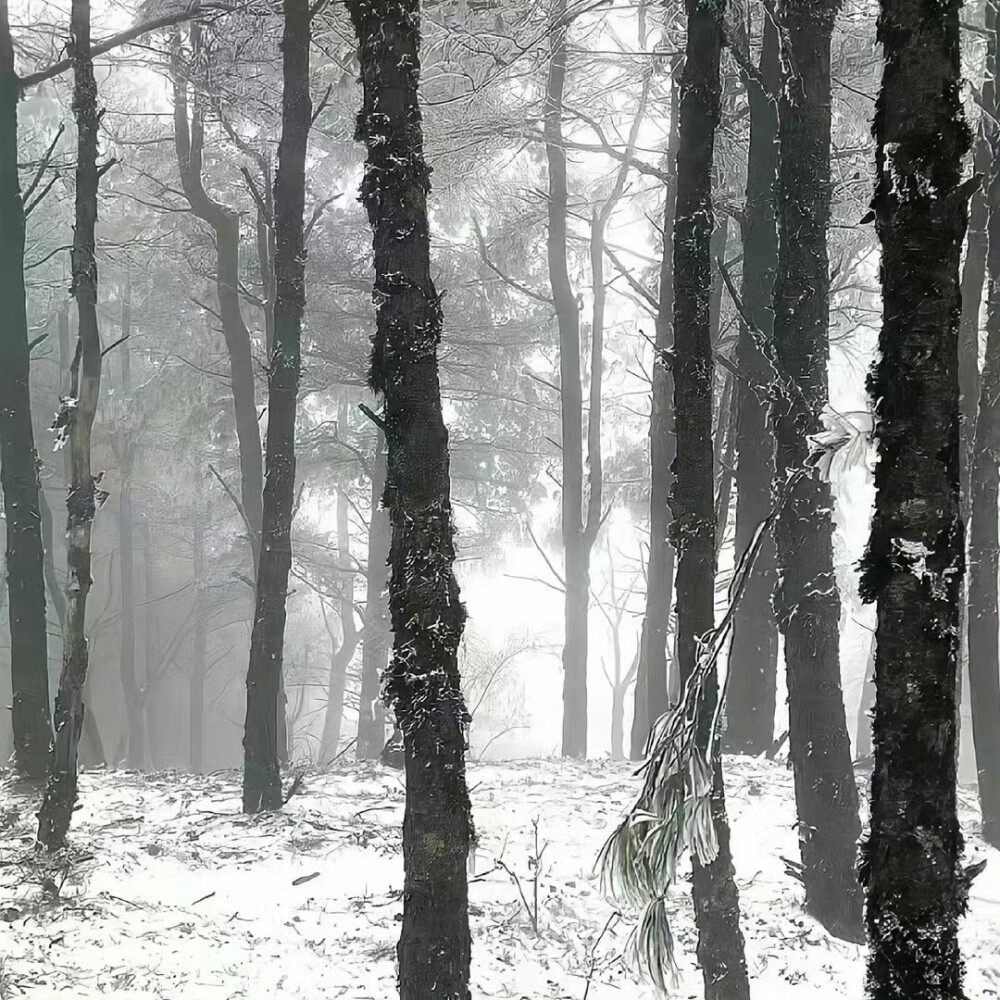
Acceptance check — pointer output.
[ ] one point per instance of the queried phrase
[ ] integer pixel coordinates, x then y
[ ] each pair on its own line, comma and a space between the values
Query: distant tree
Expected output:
911, 861
427, 615
261, 775
692, 501
807, 601
75, 422
984, 489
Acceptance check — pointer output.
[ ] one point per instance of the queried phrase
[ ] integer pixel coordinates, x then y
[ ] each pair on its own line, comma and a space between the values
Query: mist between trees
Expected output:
490, 378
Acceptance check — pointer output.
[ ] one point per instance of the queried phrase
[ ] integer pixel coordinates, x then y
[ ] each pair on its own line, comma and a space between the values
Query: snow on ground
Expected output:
173, 894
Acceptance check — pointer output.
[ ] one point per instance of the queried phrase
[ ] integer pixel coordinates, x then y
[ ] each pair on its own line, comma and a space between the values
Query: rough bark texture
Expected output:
984, 537
189, 138
18, 460
915, 560
61, 788
428, 617
716, 898
576, 549
807, 599
377, 639
753, 655
651, 688
261, 773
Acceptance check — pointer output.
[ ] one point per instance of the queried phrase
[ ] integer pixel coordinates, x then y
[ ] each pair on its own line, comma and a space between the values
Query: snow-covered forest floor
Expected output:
173, 894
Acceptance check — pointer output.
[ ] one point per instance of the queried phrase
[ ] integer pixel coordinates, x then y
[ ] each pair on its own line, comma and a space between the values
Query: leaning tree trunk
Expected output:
376, 639
576, 550
18, 469
427, 614
753, 655
261, 773
911, 863
77, 422
807, 600
716, 898
651, 685
984, 537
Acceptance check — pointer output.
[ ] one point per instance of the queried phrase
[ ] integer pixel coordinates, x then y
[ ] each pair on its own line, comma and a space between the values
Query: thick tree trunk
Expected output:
427, 614
376, 639
261, 775
807, 600
18, 469
652, 685
61, 788
984, 537
716, 898
189, 137
753, 655
911, 863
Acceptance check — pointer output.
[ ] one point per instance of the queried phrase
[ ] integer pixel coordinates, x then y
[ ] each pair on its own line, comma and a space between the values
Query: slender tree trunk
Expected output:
425, 606
18, 459
149, 704
61, 788
716, 898
261, 776
911, 862
189, 138
652, 686
984, 537
199, 660
807, 600
376, 640
753, 655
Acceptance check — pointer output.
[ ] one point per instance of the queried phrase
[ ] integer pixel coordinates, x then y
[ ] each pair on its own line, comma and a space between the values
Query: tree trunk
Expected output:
199, 661
18, 470
652, 687
189, 137
716, 898
753, 655
377, 639
425, 606
807, 600
911, 862
149, 705
984, 537
261, 775
77, 423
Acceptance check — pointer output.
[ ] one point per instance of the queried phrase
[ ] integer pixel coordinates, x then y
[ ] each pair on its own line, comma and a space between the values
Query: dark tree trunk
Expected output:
427, 614
716, 898
376, 639
807, 601
189, 138
753, 655
61, 788
651, 687
261, 775
911, 862
984, 537
18, 460
576, 550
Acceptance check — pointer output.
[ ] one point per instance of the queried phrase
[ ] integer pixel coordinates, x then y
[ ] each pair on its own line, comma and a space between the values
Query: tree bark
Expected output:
199, 661
261, 773
427, 614
911, 862
377, 639
652, 686
693, 530
984, 537
807, 600
61, 788
18, 459
189, 140
753, 655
